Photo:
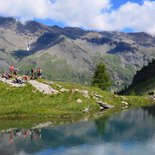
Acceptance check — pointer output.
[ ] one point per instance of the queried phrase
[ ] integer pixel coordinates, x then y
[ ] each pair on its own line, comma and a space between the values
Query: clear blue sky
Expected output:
118, 3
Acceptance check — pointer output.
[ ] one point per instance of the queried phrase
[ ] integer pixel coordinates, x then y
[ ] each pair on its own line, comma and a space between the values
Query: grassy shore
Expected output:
29, 106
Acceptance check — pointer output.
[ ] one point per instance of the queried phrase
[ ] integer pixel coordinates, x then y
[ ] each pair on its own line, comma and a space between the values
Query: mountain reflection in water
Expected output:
129, 132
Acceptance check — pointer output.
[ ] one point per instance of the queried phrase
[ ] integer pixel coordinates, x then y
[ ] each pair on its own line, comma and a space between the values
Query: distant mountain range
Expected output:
71, 54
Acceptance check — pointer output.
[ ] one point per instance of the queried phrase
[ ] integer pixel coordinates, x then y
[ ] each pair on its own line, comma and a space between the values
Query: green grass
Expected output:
28, 105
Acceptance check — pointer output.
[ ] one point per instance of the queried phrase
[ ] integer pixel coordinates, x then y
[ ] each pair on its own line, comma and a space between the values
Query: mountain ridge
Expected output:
71, 54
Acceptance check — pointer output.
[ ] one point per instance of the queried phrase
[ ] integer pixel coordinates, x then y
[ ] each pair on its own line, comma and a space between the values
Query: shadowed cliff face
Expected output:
143, 81
53, 47
145, 73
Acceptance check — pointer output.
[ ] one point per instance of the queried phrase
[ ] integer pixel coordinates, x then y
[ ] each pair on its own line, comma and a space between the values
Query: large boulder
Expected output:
104, 105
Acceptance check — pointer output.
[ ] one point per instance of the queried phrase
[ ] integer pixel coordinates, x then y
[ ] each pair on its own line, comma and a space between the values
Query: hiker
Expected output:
9, 76
15, 71
25, 78
4, 75
39, 72
32, 74
11, 69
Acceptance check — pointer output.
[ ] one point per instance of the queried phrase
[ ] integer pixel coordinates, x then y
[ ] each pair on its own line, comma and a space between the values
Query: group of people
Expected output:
13, 73
36, 74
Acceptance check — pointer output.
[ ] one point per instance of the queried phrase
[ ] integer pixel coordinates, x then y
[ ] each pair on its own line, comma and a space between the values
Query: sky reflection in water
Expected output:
130, 132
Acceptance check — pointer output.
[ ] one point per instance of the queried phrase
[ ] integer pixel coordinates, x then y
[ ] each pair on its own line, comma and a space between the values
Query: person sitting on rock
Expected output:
39, 72
25, 78
4, 75
9, 76
15, 71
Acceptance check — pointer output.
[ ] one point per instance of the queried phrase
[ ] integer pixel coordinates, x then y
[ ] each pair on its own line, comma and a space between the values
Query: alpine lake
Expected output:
130, 132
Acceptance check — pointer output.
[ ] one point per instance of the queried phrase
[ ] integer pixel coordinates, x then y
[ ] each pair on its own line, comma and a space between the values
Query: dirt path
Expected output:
44, 88
12, 84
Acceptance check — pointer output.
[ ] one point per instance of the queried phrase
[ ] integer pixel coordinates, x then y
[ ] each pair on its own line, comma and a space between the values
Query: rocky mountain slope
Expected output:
143, 81
71, 54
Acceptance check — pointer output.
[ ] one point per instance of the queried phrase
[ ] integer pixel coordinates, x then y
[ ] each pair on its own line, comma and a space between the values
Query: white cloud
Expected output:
90, 14
112, 148
135, 16
28, 9
83, 13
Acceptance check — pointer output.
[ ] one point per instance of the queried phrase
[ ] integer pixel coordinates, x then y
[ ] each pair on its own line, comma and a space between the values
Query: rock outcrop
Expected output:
44, 88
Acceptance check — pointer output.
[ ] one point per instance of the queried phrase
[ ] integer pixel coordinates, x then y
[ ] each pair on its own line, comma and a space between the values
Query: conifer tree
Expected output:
101, 78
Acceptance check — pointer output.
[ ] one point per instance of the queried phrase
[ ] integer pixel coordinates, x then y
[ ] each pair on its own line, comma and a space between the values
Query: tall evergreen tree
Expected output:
101, 78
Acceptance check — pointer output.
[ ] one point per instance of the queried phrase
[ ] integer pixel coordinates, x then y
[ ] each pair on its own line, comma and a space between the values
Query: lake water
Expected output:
130, 132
